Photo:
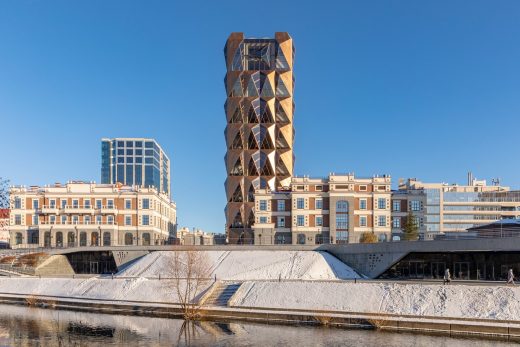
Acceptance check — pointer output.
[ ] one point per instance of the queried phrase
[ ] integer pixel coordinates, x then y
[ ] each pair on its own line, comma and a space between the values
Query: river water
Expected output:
26, 326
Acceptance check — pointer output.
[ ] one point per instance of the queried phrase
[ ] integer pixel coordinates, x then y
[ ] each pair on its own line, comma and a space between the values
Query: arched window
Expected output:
342, 206
146, 239
19, 238
83, 239
59, 239
129, 238
94, 239
47, 239
70, 239
106, 238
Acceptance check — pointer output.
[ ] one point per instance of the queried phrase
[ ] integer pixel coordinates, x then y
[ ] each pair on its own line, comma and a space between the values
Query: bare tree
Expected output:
4, 193
190, 270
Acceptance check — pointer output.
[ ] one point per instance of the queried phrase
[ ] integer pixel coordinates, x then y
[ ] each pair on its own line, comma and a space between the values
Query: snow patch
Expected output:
252, 265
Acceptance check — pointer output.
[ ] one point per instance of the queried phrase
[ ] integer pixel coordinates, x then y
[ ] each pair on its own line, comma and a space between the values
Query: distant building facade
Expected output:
447, 208
337, 209
188, 237
259, 132
135, 161
89, 214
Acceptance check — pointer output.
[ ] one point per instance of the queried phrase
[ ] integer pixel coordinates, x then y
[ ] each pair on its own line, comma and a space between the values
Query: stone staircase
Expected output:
221, 294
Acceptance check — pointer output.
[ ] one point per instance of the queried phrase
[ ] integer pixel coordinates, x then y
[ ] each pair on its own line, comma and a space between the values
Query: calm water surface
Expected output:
25, 326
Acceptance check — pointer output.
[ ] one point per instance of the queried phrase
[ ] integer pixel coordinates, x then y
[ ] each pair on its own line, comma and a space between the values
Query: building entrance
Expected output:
461, 271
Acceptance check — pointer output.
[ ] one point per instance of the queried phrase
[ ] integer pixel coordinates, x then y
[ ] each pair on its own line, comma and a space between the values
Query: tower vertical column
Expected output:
259, 132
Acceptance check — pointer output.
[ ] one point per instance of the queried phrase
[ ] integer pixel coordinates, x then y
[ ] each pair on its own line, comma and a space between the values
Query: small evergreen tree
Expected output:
410, 228
368, 237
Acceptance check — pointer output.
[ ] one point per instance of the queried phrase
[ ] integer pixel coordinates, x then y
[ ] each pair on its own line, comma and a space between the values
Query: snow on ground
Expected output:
252, 265
136, 289
456, 301
139, 282
488, 302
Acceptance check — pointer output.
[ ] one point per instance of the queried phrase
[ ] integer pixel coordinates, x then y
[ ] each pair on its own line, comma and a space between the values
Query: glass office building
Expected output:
135, 161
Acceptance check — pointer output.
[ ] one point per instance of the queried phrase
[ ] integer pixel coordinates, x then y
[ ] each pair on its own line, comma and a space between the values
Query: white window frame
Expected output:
415, 205
363, 221
381, 221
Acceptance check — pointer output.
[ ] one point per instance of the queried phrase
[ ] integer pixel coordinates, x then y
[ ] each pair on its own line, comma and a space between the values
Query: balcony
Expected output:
78, 209
72, 225
53, 209
109, 209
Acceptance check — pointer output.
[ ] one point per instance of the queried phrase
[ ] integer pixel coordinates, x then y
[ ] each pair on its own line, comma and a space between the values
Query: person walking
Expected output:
510, 277
447, 277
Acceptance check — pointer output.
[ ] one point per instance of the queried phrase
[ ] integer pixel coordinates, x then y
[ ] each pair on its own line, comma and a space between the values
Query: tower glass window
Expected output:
117, 163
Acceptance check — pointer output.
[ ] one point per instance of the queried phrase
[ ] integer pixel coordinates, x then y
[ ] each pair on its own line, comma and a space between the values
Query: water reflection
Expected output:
25, 326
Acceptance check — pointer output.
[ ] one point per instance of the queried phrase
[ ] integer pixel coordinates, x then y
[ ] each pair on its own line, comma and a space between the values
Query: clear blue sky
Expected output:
409, 88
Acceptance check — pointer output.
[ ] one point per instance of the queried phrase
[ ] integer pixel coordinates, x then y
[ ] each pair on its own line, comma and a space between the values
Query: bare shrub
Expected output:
31, 259
8, 259
51, 303
190, 271
377, 322
368, 237
31, 300
324, 320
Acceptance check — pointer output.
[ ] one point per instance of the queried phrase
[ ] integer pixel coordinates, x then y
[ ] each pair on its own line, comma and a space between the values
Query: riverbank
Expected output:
450, 310
492, 329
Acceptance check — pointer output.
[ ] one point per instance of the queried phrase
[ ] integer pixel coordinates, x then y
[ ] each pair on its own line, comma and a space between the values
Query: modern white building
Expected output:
446, 208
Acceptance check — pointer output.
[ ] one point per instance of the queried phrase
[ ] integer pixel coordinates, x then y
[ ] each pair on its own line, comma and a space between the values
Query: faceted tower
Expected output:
259, 132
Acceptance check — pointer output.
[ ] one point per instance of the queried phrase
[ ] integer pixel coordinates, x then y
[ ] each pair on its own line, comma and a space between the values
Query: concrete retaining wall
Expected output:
54, 265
